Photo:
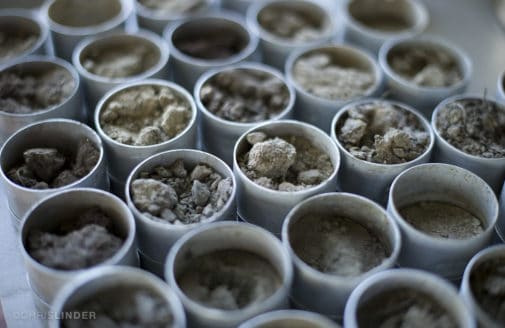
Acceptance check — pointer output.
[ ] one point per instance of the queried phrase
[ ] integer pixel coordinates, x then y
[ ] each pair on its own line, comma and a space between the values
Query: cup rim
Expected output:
249, 66
289, 314
501, 85
150, 13
424, 122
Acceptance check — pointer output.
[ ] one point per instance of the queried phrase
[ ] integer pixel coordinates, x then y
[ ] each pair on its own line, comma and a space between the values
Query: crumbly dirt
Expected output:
80, 244
385, 22
145, 115
290, 163
319, 75
474, 126
23, 92
487, 283
174, 7
245, 95
177, 194
426, 67
123, 306
337, 245
229, 279
14, 42
287, 22
403, 307
442, 220
44, 168
381, 132
211, 43
120, 61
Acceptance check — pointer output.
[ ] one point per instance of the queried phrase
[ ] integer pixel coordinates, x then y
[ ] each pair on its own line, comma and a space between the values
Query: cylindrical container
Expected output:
320, 111
424, 283
61, 134
52, 212
326, 293
71, 107
229, 236
500, 225
239, 6
122, 158
98, 281
96, 86
276, 49
368, 24
156, 19
447, 184
492, 170
219, 135
70, 21
289, 318
424, 98
187, 68
370, 179
17, 23
156, 238
500, 87
467, 291
266, 207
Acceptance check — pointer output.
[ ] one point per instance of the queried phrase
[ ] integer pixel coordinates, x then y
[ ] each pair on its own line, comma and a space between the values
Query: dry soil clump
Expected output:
14, 42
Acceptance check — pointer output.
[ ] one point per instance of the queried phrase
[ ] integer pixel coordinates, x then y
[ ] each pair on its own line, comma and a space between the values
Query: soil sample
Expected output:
474, 126
79, 14
487, 282
44, 168
403, 307
320, 75
15, 41
425, 66
174, 7
82, 243
229, 279
391, 21
384, 133
120, 60
442, 220
337, 245
145, 115
23, 92
245, 95
290, 163
177, 195
122, 307
291, 23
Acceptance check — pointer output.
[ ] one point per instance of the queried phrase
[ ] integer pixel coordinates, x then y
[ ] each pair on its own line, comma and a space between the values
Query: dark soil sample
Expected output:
290, 163
122, 306
383, 133
15, 41
403, 307
174, 7
385, 23
45, 168
336, 245
210, 43
22, 92
229, 279
474, 126
173, 194
245, 95
80, 244
442, 220
487, 282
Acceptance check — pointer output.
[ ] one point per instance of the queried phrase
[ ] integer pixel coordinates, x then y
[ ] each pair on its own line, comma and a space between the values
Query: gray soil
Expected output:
403, 307
14, 42
229, 279
44, 168
245, 95
336, 245
380, 132
385, 23
290, 323
176, 194
474, 126
425, 67
80, 244
22, 92
174, 7
487, 283
290, 163
123, 306
121, 61
145, 115
78, 13
442, 220
288, 22
320, 75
